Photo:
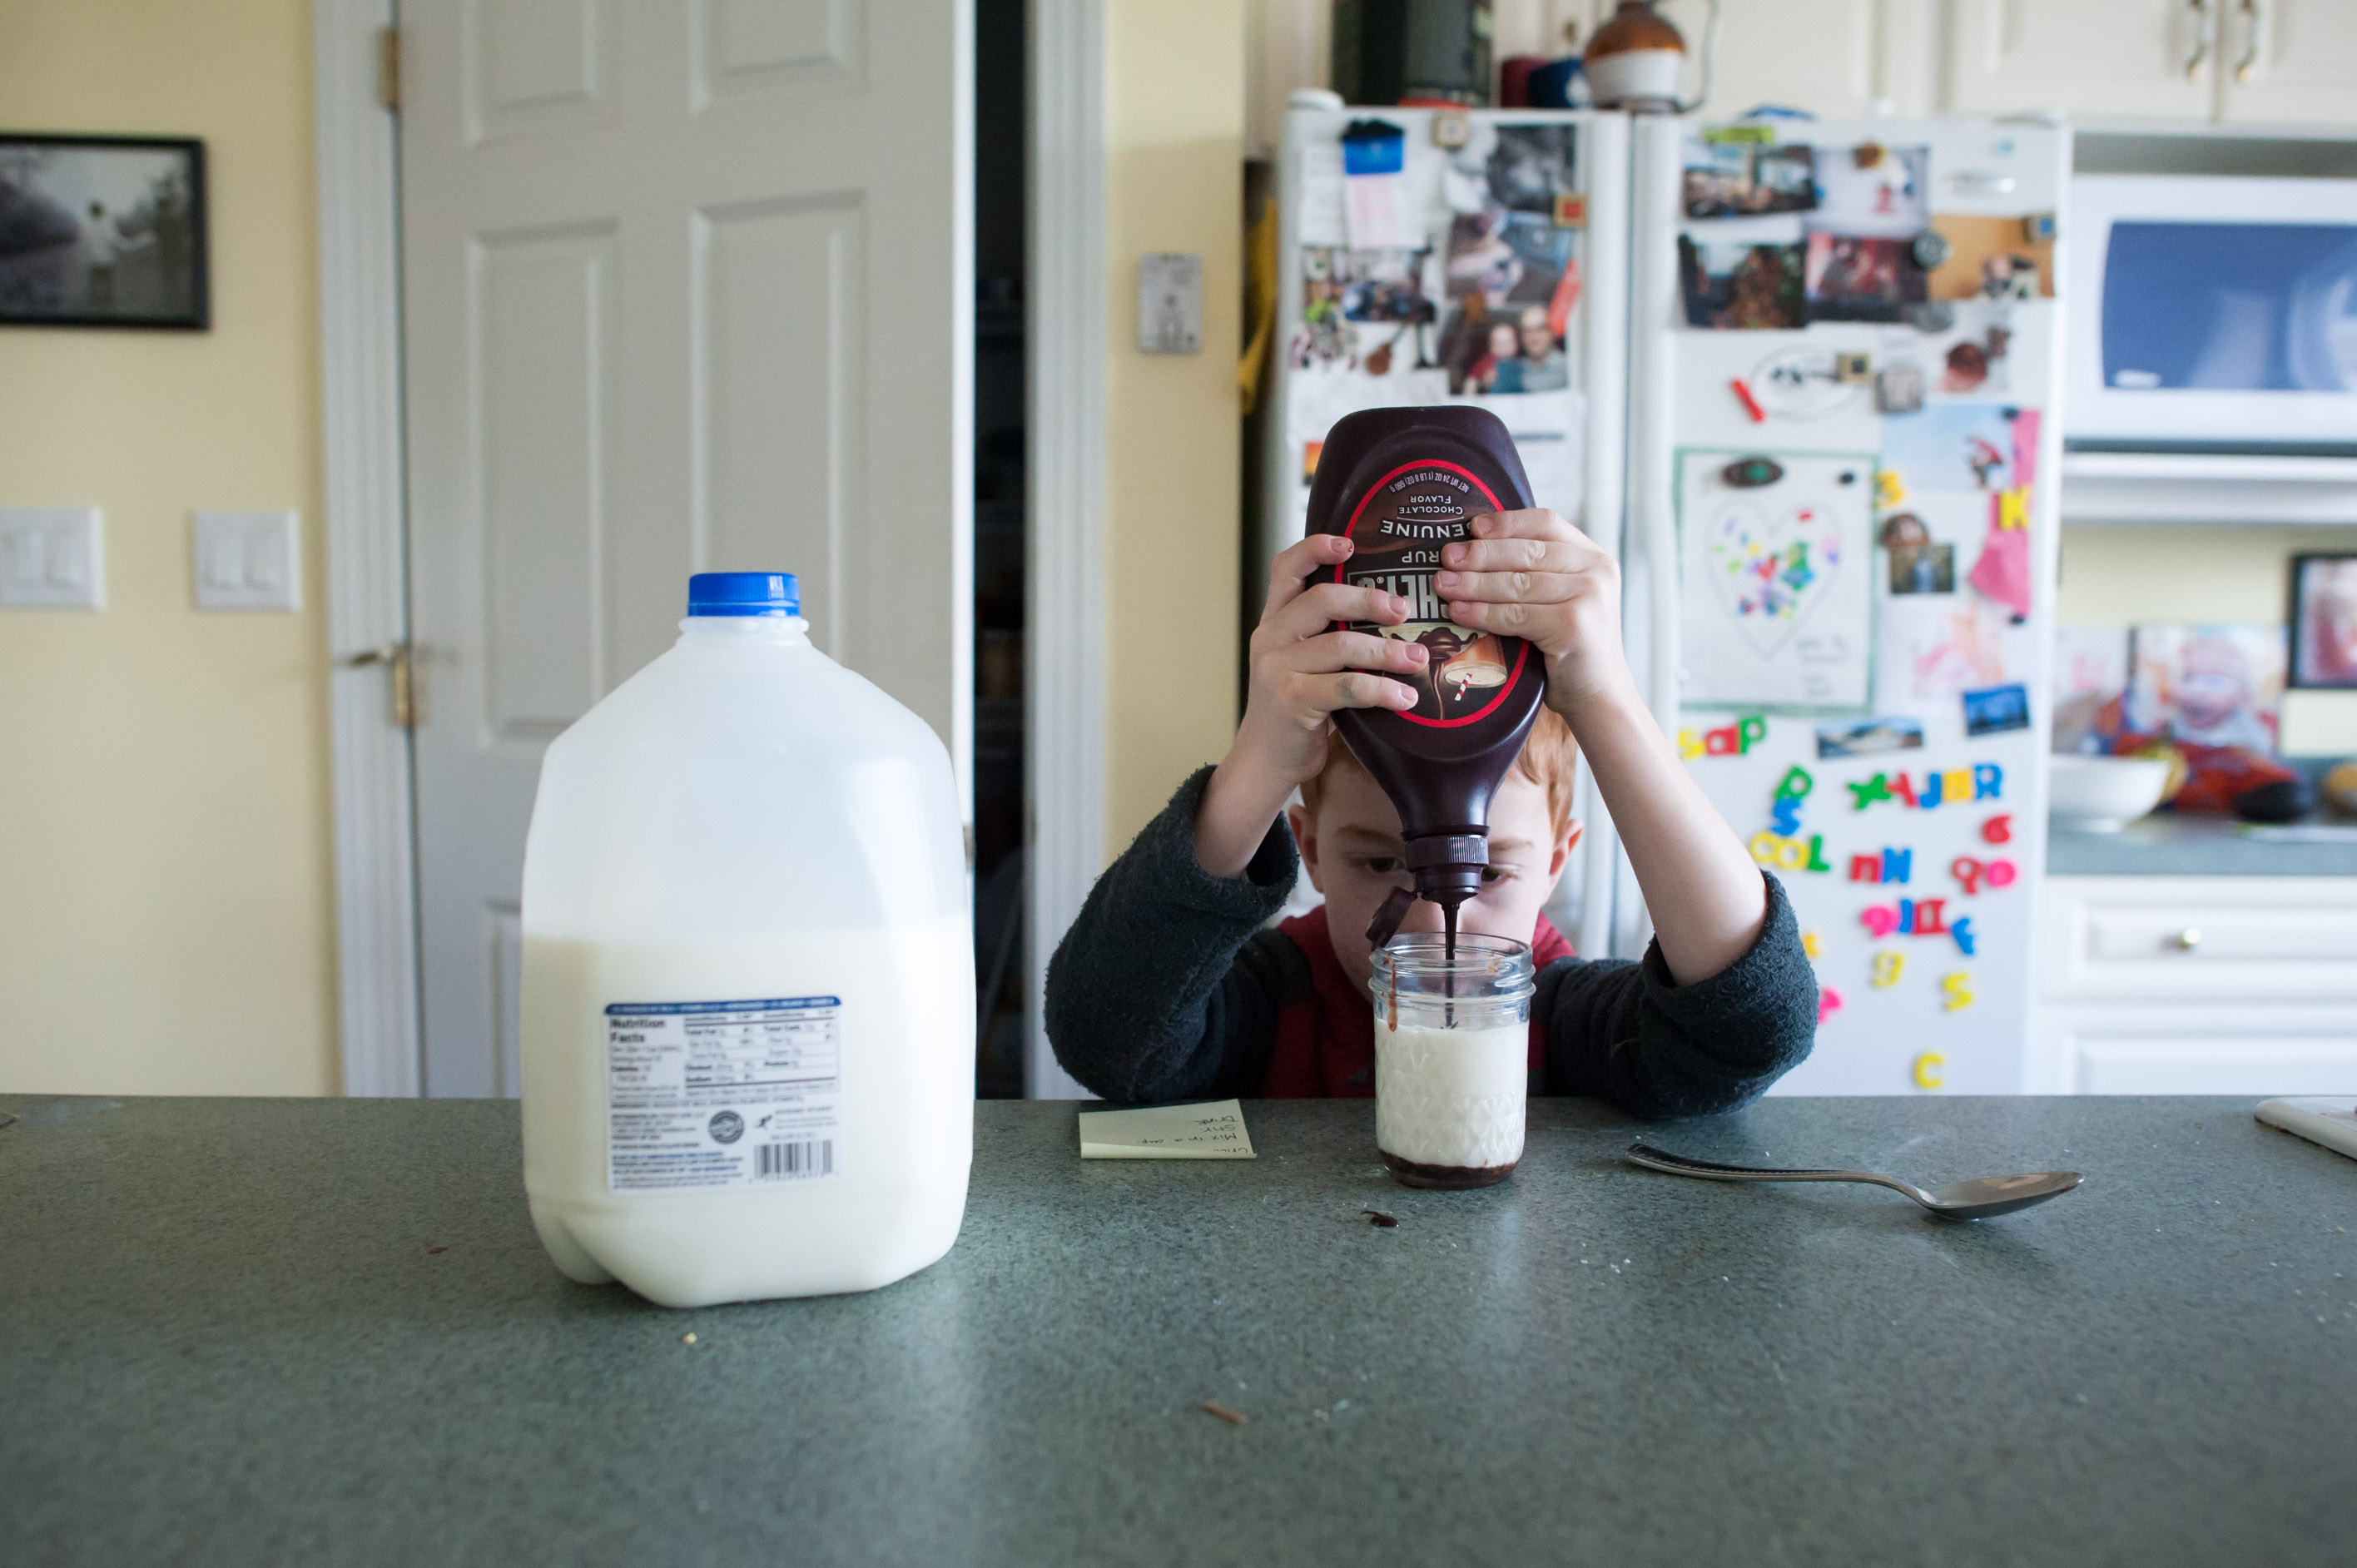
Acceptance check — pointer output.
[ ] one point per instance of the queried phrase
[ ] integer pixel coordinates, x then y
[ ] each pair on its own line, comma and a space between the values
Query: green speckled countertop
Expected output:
2167, 844
321, 1331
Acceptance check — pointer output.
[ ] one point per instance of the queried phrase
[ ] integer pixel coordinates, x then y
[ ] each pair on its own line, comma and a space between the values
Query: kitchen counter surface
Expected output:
322, 1331
2166, 844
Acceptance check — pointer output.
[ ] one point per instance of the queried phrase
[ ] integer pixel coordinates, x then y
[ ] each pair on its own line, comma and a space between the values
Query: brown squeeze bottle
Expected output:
1400, 483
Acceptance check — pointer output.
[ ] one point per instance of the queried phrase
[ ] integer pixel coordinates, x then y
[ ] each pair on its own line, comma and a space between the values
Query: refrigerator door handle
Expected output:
1652, 407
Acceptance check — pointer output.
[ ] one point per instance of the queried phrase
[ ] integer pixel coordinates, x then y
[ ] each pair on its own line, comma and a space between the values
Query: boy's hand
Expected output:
1302, 673
1531, 575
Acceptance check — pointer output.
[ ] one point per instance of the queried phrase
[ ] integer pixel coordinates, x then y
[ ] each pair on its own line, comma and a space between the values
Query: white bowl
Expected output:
2104, 794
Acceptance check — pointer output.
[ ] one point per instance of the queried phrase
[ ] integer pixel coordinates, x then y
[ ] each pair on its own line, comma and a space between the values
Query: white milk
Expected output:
878, 1154
748, 1002
1451, 1097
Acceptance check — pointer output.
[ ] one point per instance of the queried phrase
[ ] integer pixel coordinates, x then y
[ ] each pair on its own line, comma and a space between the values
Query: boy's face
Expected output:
1354, 856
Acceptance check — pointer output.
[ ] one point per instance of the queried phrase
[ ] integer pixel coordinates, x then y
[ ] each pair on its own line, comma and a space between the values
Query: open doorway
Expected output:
1001, 445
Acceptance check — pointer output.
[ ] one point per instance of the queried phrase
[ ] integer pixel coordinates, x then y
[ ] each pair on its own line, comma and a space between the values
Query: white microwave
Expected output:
2211, 314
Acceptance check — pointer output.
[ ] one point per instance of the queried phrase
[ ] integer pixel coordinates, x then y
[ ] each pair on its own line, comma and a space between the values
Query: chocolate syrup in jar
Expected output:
1400, 483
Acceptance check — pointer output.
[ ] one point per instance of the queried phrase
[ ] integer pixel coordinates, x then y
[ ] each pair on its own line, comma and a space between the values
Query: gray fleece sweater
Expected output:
1169, 987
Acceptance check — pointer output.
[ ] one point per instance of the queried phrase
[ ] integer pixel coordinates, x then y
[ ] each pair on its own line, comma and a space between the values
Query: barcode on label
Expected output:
794, 1160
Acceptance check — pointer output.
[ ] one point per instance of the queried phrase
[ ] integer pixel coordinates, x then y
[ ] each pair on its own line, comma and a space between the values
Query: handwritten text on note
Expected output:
1208, 1130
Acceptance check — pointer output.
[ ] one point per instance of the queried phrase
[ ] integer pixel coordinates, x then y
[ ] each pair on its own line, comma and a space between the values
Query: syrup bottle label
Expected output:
1399, 529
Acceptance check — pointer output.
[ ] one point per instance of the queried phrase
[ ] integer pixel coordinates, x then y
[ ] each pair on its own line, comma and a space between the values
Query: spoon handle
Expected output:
1710, 1170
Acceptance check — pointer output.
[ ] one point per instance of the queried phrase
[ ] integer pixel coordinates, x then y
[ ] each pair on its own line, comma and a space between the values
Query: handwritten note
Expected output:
1323, 214
1382, 214
1212, 1130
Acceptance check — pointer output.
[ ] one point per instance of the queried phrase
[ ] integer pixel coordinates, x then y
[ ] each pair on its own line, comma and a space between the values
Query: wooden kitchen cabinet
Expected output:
2196, 61
2143, 58
2248, 61
2229, 1049
2289, 60
1818, 54
2196, 985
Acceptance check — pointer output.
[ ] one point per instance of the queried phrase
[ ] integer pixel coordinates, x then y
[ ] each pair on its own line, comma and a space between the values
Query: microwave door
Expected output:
2213, 313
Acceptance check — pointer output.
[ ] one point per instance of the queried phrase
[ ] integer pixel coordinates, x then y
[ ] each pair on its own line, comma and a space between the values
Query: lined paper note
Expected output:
1322, 219
1212, 1130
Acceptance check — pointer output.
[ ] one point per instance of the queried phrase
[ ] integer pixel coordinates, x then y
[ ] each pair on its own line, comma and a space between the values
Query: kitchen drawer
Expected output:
2194, 1049
2256, 939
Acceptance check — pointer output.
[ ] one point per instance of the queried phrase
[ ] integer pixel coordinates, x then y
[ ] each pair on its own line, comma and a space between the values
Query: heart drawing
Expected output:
1772, 576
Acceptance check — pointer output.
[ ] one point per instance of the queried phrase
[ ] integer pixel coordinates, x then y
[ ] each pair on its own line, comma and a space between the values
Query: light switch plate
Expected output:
249, 560
52, 558
1169, 302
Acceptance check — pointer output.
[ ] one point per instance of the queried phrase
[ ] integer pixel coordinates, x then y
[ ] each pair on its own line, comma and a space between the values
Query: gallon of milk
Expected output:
748, 998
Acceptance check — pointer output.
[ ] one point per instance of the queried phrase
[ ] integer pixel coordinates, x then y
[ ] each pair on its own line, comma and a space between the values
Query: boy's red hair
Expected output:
1549, 759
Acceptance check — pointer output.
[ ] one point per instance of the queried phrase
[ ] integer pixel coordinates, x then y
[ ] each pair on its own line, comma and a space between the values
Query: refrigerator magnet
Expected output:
1864, 738
1997, 708
1899, 389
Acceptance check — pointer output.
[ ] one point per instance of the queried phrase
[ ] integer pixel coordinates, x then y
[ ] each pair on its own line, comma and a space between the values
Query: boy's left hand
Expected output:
1531, 575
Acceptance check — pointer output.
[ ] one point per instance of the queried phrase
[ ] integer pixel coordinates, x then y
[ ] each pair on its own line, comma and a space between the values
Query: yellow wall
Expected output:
166, 900
1173, 135
2117, 576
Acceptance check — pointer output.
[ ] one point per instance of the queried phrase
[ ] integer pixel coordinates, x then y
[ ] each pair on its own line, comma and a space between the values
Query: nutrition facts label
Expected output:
705, 1094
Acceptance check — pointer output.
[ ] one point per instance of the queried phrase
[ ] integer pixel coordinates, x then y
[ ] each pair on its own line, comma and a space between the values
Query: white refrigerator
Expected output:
1811, 378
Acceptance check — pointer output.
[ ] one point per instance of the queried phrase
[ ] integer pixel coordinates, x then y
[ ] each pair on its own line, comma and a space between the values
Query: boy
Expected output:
1167, 988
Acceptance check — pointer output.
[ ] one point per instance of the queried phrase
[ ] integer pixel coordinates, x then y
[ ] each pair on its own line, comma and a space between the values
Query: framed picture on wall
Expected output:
2324, 620
102, 232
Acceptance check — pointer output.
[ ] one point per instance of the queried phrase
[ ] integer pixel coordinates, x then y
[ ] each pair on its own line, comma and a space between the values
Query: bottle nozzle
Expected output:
1447, 866
1447, 870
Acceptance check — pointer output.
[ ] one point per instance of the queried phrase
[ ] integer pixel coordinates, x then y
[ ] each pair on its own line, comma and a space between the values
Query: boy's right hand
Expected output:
1302, 673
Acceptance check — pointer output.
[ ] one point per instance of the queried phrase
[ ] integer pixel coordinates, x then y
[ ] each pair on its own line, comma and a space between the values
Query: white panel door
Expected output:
2086, 57
2289, 60
687, 287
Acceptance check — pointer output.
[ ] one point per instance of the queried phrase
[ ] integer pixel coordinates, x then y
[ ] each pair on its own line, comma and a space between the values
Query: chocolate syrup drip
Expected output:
1449, 981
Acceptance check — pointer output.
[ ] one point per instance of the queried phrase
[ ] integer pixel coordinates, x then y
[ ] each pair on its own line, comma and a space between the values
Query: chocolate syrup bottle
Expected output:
1400, 483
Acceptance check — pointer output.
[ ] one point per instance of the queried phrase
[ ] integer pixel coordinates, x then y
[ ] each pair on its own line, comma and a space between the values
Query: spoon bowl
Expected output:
1985, 1195
1976, 1199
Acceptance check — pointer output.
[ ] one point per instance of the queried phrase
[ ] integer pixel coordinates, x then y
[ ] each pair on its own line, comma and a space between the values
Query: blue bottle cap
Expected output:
744, 593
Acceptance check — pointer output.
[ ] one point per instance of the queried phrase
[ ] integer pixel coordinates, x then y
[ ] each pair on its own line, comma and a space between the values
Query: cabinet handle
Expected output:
2187, 940
2249, 63
2205, 33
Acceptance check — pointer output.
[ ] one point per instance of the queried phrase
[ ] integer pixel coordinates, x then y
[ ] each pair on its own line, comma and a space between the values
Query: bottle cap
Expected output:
744, 593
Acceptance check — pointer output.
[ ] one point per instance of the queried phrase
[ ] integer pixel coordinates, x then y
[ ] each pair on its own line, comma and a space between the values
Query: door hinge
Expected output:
388, 68
396, 658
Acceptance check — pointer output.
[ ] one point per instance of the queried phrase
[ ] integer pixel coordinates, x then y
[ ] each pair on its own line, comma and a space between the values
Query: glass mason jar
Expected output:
1452, 1057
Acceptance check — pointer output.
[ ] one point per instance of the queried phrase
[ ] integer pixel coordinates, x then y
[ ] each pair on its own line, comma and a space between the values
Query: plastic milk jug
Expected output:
748, 973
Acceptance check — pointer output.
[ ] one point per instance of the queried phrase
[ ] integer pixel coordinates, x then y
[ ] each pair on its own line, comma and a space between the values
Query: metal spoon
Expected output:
1958, 1200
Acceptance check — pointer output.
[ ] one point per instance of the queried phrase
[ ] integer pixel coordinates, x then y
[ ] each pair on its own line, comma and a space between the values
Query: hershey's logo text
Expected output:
1415, 587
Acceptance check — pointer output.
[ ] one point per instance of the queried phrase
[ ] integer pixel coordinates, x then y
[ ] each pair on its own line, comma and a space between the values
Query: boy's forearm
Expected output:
1240, 802
1706, 897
